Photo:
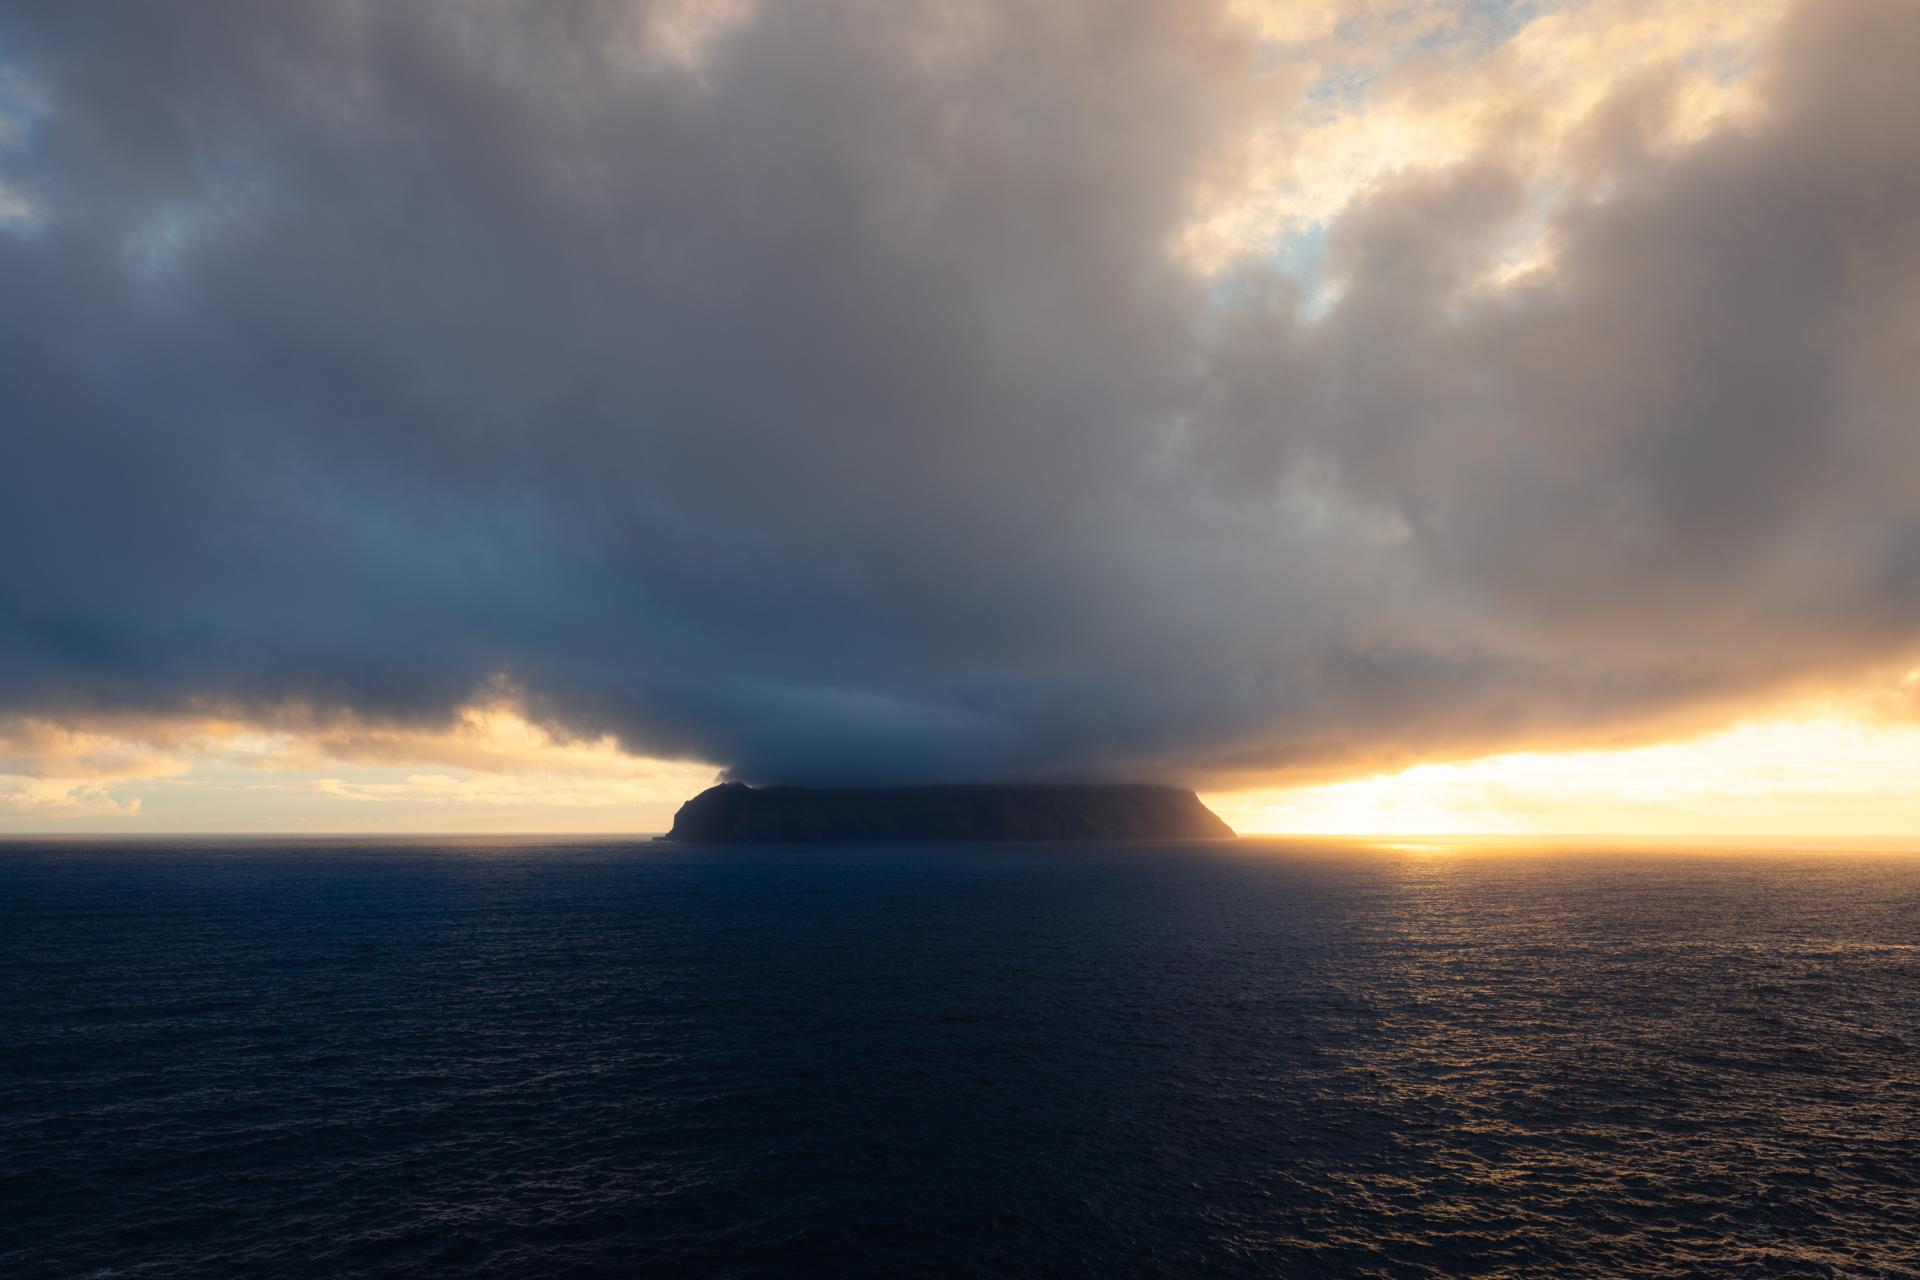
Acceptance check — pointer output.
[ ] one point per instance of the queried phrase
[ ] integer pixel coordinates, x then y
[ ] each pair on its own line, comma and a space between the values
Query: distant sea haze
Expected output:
509, 1058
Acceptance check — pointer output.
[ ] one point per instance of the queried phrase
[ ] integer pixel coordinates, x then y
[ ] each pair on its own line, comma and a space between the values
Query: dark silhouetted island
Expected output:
733, 813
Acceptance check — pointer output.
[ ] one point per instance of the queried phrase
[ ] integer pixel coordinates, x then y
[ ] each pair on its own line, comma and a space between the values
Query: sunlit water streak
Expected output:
506, 1058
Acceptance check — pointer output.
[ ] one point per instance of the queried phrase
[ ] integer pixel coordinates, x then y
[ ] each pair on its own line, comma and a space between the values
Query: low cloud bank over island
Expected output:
920, 393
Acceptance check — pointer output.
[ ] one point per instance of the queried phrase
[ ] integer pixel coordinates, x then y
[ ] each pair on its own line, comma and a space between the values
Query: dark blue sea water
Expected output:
504, 1058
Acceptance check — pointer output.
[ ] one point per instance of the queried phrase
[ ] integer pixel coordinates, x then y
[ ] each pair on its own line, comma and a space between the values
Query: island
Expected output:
734, 813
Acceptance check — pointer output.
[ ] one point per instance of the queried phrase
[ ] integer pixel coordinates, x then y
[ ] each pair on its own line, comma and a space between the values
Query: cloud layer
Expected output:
852, 392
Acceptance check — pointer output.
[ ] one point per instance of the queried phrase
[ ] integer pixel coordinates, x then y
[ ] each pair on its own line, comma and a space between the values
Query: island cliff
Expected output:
736, 813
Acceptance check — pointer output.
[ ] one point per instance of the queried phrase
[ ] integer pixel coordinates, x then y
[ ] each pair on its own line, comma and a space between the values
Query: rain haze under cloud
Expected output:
884, 392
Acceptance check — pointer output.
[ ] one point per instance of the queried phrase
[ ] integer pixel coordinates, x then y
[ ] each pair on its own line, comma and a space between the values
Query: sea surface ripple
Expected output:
524, 1058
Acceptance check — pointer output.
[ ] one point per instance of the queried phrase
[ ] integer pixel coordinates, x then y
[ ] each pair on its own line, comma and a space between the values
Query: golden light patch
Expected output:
488, 758
1382, 103
1828, 774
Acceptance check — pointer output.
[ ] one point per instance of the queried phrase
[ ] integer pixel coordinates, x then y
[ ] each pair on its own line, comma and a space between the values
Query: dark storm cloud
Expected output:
833, 408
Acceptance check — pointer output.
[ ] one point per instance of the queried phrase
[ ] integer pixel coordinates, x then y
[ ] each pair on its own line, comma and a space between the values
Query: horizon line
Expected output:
1375, 837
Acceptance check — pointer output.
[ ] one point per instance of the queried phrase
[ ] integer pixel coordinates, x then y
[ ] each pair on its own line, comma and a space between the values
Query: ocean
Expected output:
514, 1057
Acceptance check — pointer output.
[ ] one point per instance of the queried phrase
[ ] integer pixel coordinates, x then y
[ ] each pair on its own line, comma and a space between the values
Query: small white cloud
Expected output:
14, 207
62, 798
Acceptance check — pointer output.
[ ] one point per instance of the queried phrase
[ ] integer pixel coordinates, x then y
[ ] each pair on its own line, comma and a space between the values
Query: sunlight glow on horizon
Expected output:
1824, 774
490, 768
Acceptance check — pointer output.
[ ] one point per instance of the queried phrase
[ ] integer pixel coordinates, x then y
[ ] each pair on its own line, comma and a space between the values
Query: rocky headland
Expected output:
734, 813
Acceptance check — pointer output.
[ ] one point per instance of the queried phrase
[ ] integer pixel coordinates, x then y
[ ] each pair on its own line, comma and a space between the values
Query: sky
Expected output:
1381, 415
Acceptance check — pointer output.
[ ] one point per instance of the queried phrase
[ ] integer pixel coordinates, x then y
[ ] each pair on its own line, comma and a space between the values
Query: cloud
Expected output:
62, 798
89, 795
1807, 773
547, 790
487, 754
1398, 88
835, 392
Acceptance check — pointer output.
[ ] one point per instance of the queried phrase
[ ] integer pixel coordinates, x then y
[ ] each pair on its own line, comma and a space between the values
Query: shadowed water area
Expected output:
508, 1058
